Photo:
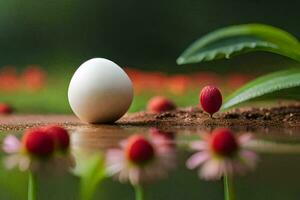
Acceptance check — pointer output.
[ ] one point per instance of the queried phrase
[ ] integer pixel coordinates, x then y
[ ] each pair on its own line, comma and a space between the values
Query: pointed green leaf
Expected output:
279, 85
239, 39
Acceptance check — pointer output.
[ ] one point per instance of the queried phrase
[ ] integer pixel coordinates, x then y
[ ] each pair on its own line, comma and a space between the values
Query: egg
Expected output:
100, 91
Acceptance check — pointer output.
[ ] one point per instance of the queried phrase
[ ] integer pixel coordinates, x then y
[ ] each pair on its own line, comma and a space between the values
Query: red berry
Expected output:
59, 135
210, 99
5, 109
223, 142
160, 104
38, 143
139, 150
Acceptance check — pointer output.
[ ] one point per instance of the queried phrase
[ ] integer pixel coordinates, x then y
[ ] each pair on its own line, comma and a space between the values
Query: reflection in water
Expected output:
141, 159
36, 152
222, 153
274, 147
89, 145
93, 139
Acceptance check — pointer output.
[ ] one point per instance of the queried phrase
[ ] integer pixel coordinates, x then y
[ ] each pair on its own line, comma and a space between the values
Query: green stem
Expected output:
139, 192
31, 186
229, 192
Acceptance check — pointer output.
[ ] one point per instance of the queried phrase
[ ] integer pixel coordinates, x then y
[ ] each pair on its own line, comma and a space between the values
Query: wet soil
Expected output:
286, 117
281, 117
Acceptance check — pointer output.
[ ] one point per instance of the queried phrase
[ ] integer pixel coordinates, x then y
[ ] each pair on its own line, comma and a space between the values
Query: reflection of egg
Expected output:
100, 91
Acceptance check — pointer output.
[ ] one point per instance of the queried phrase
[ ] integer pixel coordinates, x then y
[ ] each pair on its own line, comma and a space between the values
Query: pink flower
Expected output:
140, 160
222, 153
36, 150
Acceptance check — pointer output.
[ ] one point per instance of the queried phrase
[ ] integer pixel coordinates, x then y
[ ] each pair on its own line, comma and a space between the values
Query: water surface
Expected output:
276, 176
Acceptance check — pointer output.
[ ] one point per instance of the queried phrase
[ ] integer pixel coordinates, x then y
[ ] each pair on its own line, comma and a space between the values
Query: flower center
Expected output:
59, 135
223, 142
38, 143
139, 150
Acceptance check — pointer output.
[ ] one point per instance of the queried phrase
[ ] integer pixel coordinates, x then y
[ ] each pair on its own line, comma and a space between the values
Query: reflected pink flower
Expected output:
140, 160
11, 144
222, 153
35, 151
17, 158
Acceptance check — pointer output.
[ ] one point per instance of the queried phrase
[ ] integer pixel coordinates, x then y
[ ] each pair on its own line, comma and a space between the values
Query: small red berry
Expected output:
38, 143
59, 135
5, 109
223, 142
210, 99
139, 150
160, 104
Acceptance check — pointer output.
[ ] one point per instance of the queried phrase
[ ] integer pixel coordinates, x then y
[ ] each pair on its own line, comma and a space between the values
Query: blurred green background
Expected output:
145, 34
60, 35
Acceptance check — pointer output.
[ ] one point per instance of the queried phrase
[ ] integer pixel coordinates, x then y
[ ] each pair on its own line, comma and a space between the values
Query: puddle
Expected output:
276, 176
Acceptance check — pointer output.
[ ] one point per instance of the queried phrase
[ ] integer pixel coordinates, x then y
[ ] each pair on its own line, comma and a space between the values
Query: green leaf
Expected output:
239, 39
279, 85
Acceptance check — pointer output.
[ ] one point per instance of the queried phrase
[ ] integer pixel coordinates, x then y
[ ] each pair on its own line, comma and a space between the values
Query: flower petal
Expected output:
249, 158
244, 139
212, 170
197, 159
11, 161
11, 144
24, 163
199, 146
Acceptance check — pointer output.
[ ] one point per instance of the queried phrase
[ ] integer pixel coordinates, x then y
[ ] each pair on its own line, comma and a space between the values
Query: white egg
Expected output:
100, 91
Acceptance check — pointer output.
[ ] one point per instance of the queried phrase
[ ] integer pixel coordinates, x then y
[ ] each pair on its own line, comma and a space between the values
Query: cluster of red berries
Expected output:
210, 101
44, 141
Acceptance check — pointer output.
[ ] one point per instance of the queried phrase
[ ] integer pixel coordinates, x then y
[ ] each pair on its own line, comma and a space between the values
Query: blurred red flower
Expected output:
179, 84
34, 77
8, 79
236, 80
206, 78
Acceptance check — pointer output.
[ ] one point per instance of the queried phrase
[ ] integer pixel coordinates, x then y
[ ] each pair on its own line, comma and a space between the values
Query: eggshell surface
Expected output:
100, 91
